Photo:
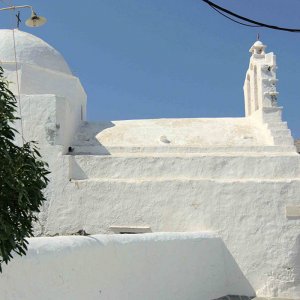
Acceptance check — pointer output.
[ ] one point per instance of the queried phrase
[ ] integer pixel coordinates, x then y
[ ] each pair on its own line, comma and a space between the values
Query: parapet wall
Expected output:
163, 266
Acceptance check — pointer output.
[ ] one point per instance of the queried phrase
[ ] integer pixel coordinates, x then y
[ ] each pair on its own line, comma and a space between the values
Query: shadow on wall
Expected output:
85, 141
236, 281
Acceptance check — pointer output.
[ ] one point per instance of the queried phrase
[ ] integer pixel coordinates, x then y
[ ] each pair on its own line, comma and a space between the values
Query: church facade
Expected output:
235, 178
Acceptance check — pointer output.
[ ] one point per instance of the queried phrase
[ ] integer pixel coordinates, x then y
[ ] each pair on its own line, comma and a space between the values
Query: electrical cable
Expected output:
249, 25
259, 24
18, 96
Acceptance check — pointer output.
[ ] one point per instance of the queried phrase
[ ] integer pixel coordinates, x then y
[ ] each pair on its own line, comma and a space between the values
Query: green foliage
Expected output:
22, 180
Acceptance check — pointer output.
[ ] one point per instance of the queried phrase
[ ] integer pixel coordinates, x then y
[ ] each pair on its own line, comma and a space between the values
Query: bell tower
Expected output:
261, 95
260, 83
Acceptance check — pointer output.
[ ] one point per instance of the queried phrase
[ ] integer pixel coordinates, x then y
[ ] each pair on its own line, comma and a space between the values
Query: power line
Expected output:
249, 25
225, 12
18, 96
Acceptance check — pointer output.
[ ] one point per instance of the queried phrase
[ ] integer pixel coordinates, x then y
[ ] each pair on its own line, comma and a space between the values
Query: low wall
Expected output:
144, 266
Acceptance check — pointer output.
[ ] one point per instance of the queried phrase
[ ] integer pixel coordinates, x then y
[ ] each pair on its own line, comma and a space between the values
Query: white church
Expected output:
167, 209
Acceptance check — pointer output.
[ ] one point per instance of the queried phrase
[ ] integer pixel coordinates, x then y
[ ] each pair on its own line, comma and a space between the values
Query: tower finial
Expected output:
257, 37
258, 47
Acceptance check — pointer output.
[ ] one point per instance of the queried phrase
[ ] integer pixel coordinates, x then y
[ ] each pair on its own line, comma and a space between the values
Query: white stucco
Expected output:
237, 177
168, 266
178, 132
30, 50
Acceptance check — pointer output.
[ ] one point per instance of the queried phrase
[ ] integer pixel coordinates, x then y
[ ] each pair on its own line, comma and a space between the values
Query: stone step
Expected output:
283, 140
277, 125
224, 166
97, 149
171, 204
280, 132
176, 180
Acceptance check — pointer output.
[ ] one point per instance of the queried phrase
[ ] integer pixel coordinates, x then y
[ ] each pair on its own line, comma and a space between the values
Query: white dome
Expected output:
31, 50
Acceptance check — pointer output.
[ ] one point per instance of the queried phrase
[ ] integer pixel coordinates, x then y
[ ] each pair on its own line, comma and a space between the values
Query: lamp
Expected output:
34, 20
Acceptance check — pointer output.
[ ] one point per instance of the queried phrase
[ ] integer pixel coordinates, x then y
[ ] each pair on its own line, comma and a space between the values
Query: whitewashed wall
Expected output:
162, 266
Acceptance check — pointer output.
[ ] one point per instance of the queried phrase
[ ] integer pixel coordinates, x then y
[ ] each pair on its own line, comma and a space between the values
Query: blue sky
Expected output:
168, 58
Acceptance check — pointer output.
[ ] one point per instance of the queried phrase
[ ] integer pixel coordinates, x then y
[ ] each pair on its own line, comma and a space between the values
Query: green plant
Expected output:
23, 176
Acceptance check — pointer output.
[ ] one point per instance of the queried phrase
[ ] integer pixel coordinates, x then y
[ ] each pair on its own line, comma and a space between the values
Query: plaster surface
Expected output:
169, 266
188, 132
297, 144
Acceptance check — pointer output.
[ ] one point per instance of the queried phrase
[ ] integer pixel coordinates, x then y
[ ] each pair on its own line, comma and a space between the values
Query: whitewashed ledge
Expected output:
235, 297
263, 298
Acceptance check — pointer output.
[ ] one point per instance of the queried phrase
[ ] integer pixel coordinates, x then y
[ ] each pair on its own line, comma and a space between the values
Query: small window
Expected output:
130, 229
